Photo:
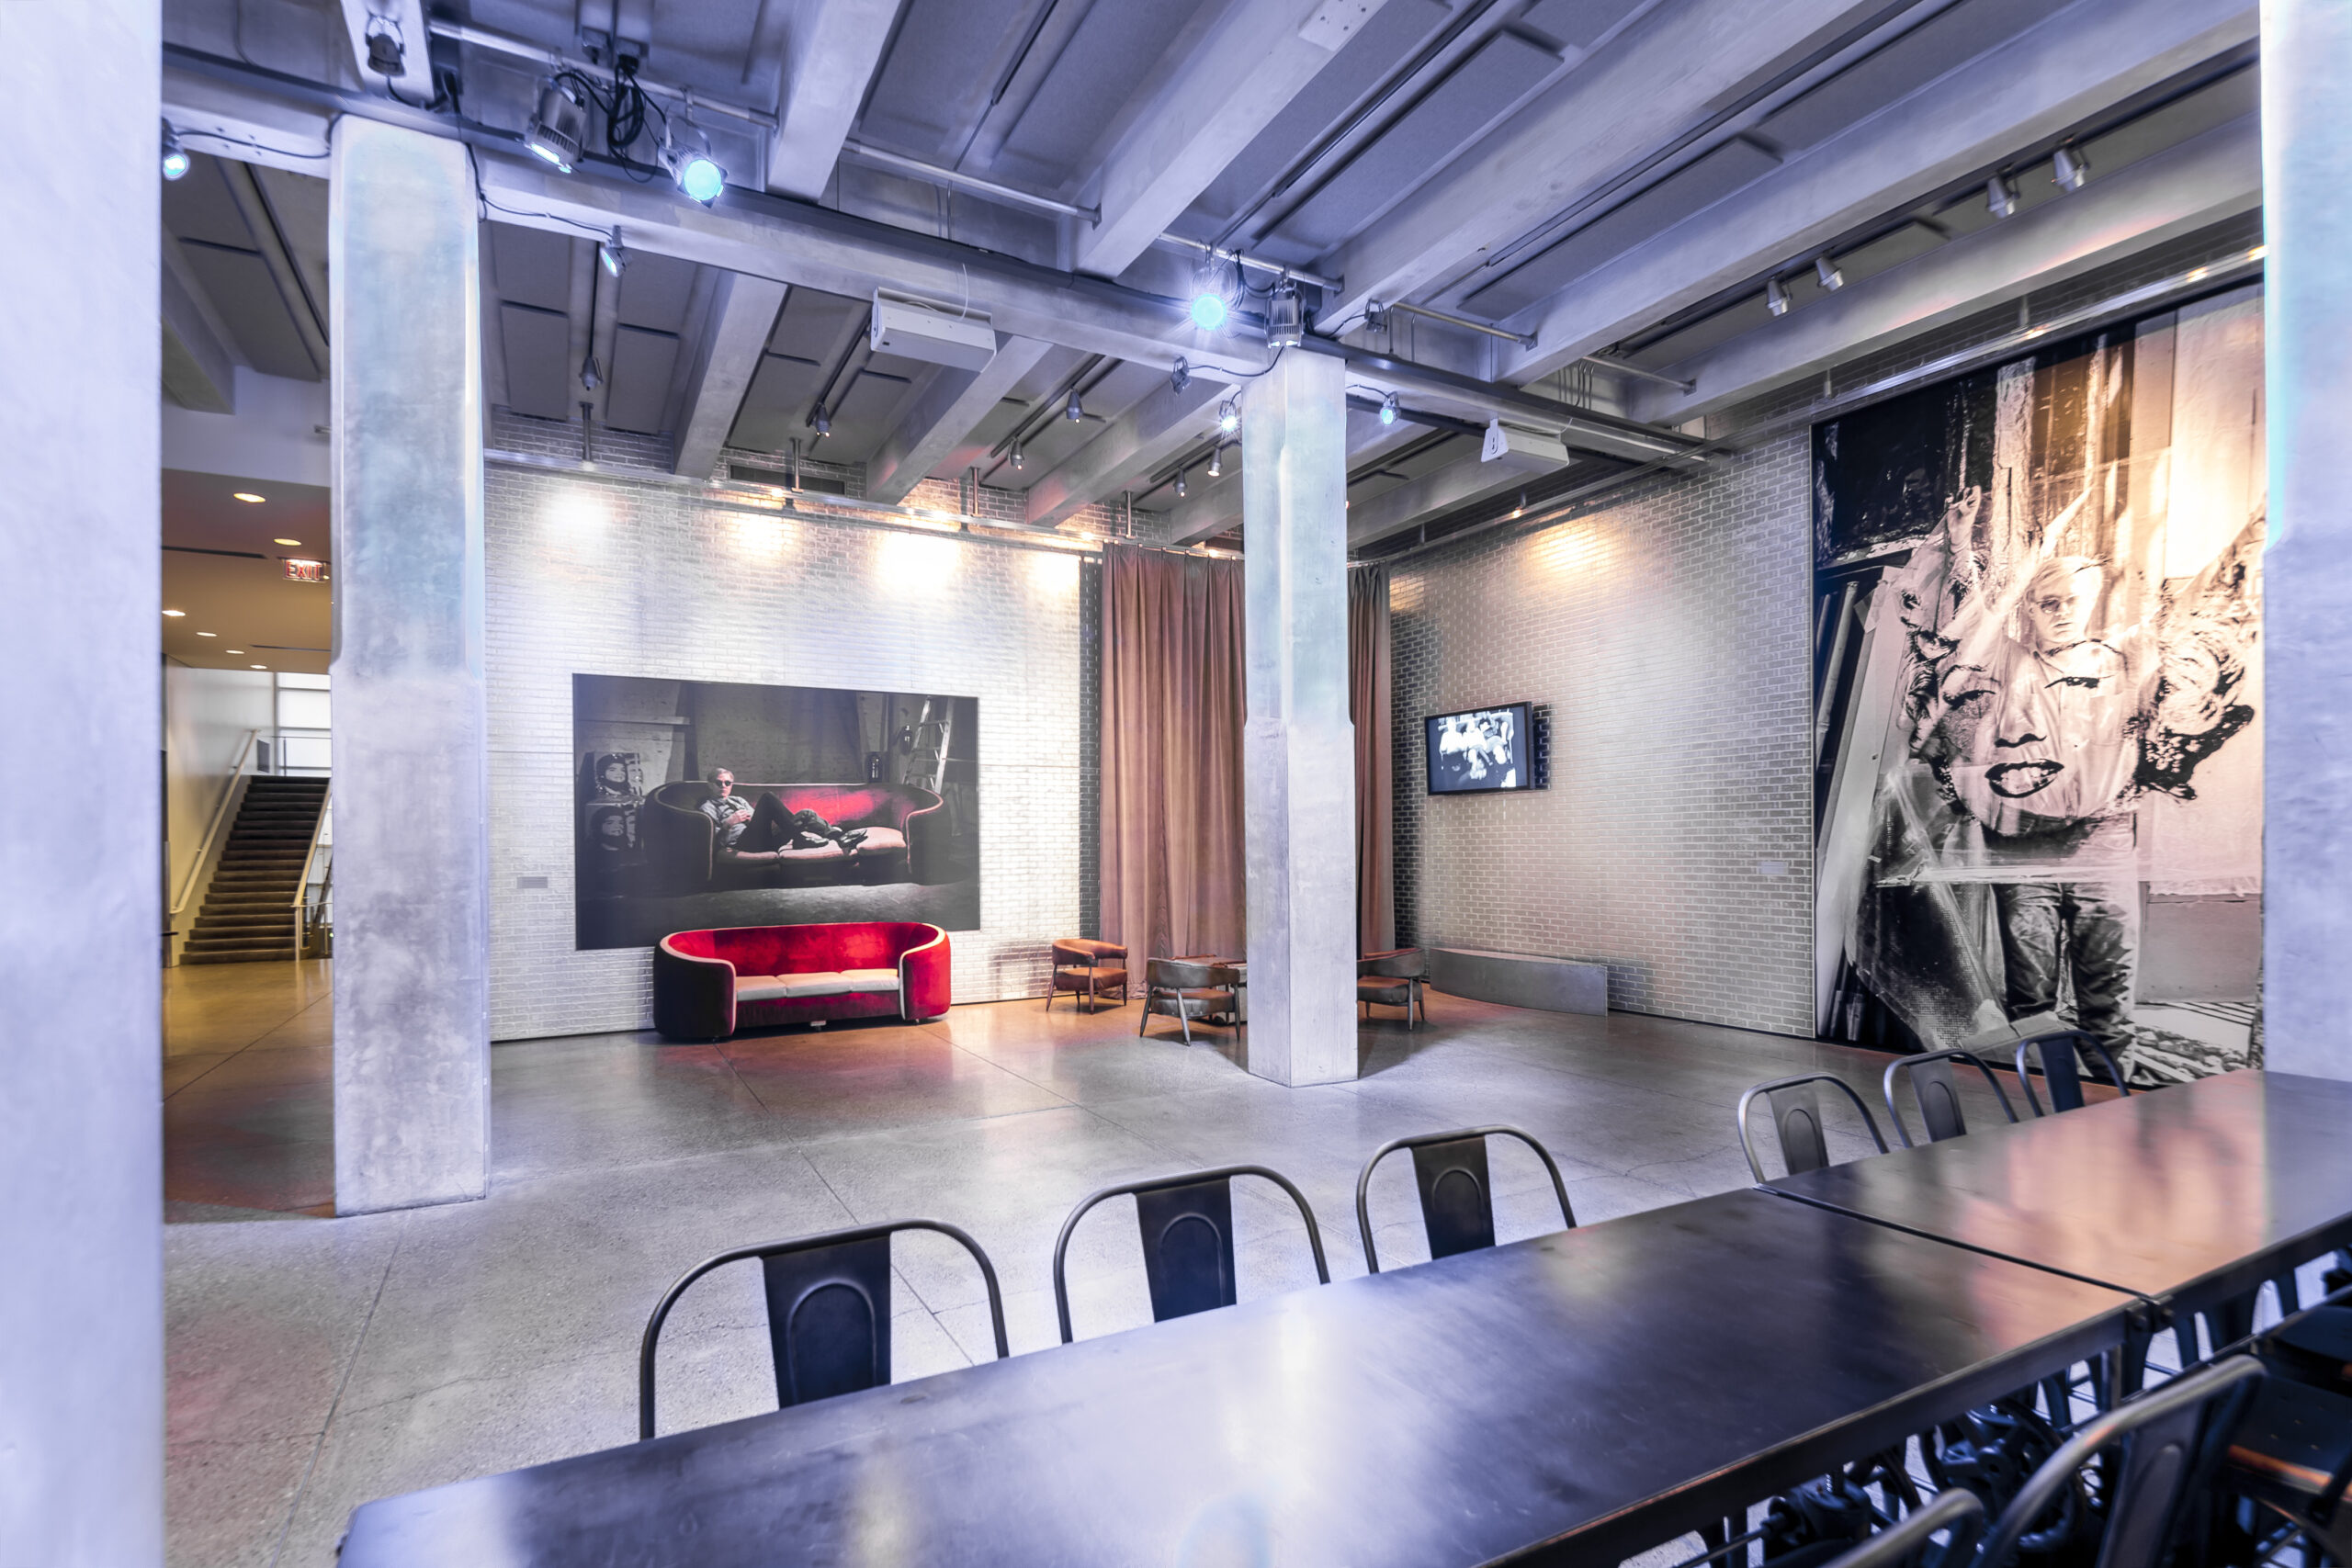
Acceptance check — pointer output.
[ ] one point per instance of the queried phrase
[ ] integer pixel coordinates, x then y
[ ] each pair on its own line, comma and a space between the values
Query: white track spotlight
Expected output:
557, 127
1074, 409
590, 373
685, 152
821, 422
1229, 416
2000, 196
1016, 459
1826, 271
2069, 168
1216, 462
1775, 297
174, 155
1388, 409
1286, 317
1179, 484
614, 255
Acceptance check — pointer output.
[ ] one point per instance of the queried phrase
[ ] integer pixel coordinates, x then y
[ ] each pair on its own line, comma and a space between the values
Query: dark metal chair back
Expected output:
1187, 1227
1398, 964
1796, 1115
1457, 1196
2169, 1442
2061, 1073
829, 1310
1938, 1098
1908, 1542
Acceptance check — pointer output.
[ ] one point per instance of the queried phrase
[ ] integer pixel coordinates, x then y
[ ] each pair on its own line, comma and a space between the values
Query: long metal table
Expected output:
1572, 1398
2190, 1195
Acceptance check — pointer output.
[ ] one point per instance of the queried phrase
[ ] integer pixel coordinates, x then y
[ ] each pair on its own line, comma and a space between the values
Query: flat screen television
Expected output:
1480, 750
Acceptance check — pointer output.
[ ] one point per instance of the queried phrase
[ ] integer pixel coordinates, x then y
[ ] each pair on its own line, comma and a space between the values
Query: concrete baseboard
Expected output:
1520, 980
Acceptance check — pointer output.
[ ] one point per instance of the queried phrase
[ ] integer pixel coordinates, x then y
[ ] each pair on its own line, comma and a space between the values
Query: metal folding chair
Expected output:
1936, 1094
1457, 1195
1796, 1112
1186, 1221
2061, 1073
829, 1310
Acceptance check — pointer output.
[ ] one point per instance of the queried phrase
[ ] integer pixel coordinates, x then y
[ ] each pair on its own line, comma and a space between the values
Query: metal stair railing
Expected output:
305, 921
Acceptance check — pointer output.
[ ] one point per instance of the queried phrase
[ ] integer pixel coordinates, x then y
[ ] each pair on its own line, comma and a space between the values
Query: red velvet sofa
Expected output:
708, 984
907, 841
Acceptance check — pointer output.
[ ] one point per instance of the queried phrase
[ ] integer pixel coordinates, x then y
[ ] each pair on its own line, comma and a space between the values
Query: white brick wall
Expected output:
1669, 632
599, 575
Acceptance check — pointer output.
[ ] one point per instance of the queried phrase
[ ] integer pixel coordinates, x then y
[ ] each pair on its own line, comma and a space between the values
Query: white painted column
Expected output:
412, 993
2307, 572
81, 906
1298, 756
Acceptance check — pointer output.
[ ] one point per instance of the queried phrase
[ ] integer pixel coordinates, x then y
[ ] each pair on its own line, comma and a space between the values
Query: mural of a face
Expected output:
2059, 605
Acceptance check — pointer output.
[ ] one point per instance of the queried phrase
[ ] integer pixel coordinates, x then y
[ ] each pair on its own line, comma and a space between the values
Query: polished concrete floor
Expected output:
316, 1363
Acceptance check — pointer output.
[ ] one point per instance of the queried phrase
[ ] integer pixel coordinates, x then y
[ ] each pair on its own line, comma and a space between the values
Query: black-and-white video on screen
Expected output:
1484, 749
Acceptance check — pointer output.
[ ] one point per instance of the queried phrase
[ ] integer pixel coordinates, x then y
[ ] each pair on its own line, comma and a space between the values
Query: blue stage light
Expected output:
174, 155
1209, 311
701, 179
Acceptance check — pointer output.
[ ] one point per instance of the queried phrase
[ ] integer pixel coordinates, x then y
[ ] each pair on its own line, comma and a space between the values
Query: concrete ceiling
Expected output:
1610, 176
224, 568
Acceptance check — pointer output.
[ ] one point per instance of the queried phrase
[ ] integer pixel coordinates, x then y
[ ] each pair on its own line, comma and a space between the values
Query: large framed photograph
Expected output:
710, 803
1481, 750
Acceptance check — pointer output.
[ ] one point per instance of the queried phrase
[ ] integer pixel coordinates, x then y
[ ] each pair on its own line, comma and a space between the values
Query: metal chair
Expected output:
2060, 1074
1086, 967
2292, 1455
1392, 979
2168, 1442
1187, 989
1936, 1096
1909, 1542
1186, 1221
829, 1310
1796, 1112
1457, 1197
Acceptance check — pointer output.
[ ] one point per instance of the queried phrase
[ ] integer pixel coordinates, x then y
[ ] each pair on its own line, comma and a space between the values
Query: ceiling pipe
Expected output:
961, 181
1277, 268
1524, 340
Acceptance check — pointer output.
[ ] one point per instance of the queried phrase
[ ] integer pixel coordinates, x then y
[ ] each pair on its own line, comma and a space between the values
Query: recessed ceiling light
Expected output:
247, 496
175, 614
238, 651
296, 542
261, 665
207, 634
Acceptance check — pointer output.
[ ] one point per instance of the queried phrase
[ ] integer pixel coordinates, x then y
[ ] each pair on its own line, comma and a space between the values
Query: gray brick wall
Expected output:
1668, 629
591, 574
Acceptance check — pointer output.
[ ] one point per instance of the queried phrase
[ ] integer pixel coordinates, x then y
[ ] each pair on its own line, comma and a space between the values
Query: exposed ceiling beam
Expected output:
831, 49
1138, 441
944, 413
254, 209
1246, 70
2200, 182
200, 370
2075, 63
1457, 484
739, 315
1668, 73
1213, 508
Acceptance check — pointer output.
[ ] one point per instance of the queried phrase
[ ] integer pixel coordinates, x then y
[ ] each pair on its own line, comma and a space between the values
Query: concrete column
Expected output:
2307, 572
1298, 758
412, 994
81, 910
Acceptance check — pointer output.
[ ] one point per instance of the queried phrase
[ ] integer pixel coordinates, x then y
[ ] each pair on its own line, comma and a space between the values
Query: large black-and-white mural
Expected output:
2038, 699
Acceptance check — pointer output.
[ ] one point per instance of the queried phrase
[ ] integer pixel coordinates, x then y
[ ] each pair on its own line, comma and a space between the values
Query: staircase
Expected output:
248, 912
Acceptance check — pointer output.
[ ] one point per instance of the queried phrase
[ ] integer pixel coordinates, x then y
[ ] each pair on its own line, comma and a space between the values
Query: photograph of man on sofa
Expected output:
753, 806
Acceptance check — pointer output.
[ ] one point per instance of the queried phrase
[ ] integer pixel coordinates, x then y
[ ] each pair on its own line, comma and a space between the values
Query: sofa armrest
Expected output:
930, 844
694, 998
924, 986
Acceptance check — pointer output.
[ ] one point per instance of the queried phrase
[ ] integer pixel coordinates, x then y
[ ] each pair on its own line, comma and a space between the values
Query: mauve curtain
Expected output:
1171, 754
1375, 779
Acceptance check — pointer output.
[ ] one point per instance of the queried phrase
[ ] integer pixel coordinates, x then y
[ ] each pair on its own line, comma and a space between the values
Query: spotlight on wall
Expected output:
1074, 409
1229, 416
1826, 271
557, 127
1286, 317
821, 422
1775, 297
386, 49
2070, 168
1179, 484
1208, 310
1217, 463
685, 152
1388, 409
2000, 196
614, 255
174, 155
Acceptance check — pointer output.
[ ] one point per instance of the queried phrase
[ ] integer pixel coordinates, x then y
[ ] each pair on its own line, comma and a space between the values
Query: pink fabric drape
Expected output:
1368, 693
1172, 877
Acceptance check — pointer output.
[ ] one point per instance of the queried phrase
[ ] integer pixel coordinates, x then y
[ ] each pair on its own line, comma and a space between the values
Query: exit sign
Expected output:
305, 570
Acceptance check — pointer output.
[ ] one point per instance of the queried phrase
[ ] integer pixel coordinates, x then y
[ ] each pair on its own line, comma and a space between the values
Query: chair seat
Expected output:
1389, 993
1102, 977
823, 983
1195, 1004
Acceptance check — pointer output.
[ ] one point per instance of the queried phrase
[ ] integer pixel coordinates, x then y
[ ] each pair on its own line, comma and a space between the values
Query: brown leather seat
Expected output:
1391, 980
1186, 989
1083, 966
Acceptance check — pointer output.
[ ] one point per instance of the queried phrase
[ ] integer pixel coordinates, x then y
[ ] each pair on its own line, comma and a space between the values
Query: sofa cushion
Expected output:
871, 979
758, 989
814, 983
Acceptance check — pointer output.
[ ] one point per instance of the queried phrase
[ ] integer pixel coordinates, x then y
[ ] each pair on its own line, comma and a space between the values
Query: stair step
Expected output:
255, 955
257, 948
